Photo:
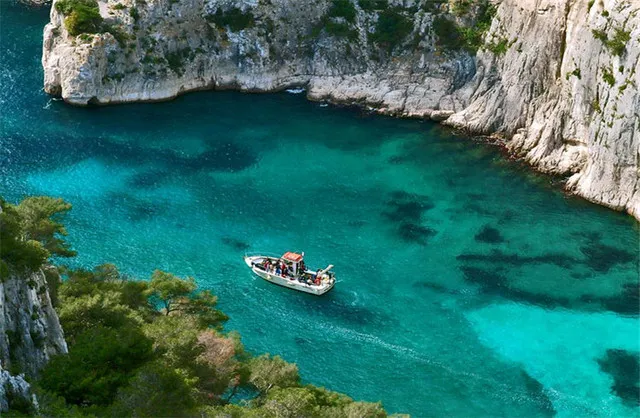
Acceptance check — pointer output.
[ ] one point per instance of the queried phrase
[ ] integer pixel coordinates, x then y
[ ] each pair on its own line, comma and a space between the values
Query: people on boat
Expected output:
285, 269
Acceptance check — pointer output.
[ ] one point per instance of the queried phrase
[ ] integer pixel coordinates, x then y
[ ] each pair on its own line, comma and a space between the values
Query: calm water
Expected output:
467, 285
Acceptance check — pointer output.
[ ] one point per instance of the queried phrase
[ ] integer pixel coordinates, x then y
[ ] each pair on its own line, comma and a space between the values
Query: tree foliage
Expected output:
128, 358
178, 295
272, 372
99, 362
234, 18
392, 28
31, 232
82, 16
155, 391
151, 348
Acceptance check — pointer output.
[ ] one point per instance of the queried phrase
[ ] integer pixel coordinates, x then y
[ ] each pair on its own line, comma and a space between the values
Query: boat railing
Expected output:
267, 254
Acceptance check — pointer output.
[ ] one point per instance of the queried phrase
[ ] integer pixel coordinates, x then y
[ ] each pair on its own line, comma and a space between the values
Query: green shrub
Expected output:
607, 76
134, 14
600, 34
82, 16
455, 37
370, 5
341, 30
343, 8
449, 34
119, 6
176, 59
391, 29
234, 18
500, 47
461, 7
85, 37
576, 73
119, 34
618, 44
100, 362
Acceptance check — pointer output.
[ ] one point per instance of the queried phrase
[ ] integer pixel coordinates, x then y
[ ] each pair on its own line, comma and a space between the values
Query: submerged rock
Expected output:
624, 368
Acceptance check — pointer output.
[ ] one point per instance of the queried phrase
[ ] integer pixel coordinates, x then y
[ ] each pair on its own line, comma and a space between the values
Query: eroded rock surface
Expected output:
30, 333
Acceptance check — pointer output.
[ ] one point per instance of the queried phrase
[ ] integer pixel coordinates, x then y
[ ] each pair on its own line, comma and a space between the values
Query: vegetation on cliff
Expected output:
150, 348
465, 26
31, 233
157, 348
82, 16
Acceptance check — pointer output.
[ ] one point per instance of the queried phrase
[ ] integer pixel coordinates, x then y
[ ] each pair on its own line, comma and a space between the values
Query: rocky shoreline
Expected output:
556, 79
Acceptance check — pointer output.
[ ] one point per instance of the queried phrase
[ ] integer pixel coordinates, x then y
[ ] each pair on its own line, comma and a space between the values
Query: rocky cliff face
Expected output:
30, 333
556, 79
565, 93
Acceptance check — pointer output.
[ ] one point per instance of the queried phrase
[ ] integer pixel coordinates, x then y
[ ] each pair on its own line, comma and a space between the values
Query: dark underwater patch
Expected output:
627, 303
485, 278
489, 235
494, 283
223, 157
601, 257
624, 368
405, 210
536, 392
500, 257
147, 179
403, 207
234, 243
143, 211
301, 341
397, 159
135, 209
357, 223
479, 208
414, 233
432, 286
331, 308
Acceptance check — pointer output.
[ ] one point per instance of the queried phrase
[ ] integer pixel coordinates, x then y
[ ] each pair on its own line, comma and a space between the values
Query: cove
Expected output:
467, 285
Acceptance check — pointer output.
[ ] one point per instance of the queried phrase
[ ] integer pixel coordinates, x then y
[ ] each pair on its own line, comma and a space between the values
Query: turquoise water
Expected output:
468, 286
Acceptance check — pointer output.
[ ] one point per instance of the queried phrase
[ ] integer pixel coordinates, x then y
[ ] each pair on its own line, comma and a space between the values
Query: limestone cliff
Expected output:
565, 93
557, 79
30, 332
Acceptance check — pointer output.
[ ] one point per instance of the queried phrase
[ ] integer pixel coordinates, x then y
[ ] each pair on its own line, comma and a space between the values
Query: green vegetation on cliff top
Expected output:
31, 233
82, 16
150, 348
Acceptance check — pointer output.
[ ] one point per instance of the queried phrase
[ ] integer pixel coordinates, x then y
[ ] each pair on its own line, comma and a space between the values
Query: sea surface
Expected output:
468, 286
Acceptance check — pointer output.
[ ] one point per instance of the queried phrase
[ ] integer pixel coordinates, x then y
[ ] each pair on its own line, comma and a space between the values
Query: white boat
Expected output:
290, 271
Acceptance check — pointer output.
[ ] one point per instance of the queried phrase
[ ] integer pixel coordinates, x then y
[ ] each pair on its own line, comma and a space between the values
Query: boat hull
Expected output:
294, 284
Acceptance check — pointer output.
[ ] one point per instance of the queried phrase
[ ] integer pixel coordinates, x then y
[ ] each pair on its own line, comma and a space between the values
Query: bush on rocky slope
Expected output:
82, 16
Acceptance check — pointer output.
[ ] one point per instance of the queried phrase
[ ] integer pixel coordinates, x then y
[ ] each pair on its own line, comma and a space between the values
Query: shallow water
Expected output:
468, 286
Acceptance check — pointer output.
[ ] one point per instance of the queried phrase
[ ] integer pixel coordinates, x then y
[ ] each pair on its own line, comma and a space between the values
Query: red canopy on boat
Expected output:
295, 257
